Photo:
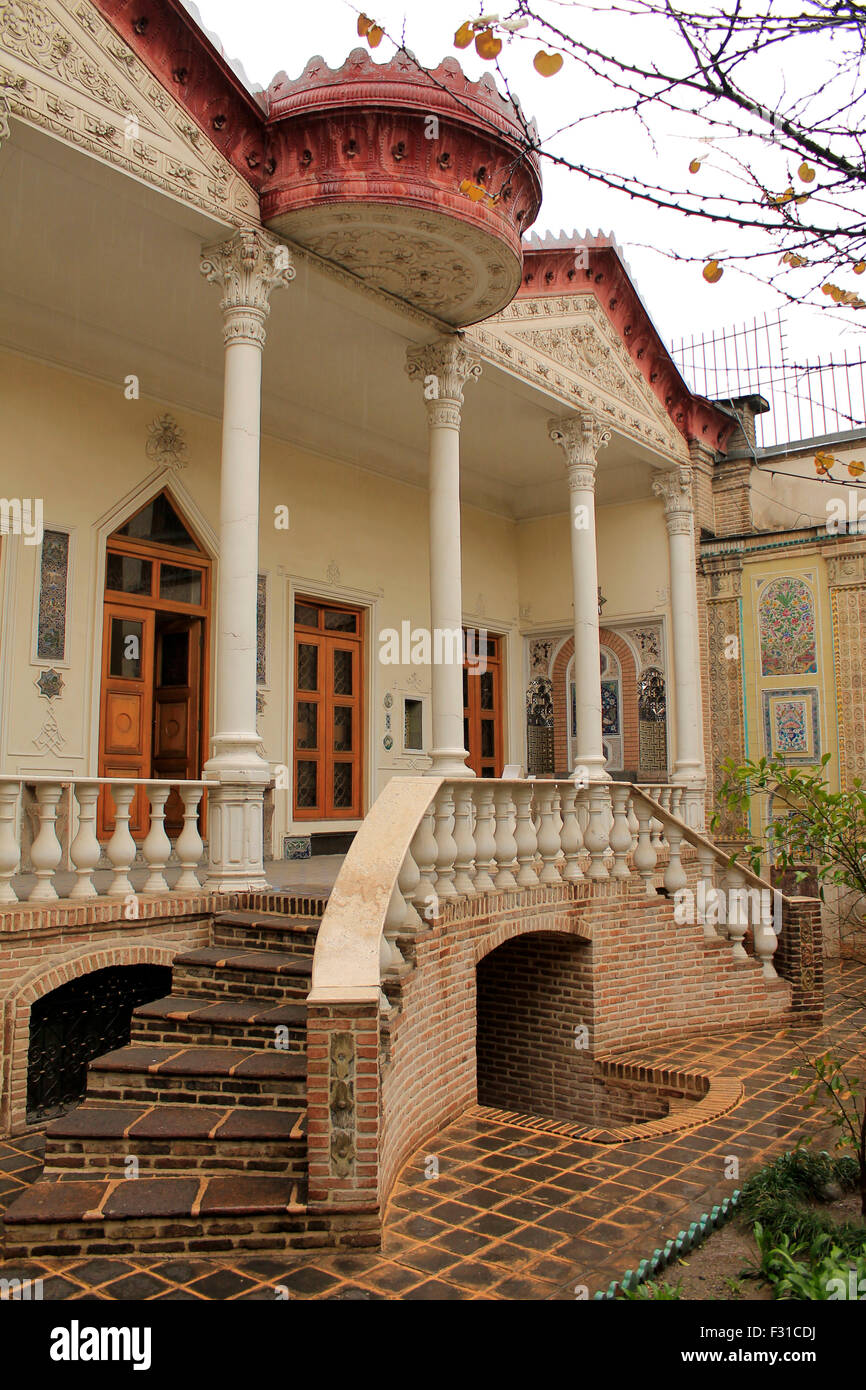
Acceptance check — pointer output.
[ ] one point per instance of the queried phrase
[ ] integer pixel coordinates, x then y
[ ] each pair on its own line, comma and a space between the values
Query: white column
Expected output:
580, 438
444, 368
247, 268
675, 490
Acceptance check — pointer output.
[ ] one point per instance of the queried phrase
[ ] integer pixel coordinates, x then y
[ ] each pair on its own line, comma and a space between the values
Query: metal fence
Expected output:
807, 400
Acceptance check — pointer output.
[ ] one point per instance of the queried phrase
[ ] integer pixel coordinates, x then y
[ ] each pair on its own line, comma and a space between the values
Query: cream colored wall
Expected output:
80, 445
784, 502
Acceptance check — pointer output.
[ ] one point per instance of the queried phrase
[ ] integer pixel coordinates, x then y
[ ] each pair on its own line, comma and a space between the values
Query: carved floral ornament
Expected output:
443, 368
166, 444
674, 487
247, 268
580, 437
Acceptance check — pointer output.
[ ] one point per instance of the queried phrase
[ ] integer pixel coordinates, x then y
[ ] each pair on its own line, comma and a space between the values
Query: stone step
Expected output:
268, 931
217, 972
226, 1022
177, 1139
199, 1076
207, 1215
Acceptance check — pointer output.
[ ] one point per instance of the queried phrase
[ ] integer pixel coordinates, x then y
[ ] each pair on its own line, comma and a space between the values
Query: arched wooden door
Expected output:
153, 698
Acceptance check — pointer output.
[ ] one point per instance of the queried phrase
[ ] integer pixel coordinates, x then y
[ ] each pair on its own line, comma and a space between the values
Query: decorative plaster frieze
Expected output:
725, 575
166, 444
66, 71
847, 568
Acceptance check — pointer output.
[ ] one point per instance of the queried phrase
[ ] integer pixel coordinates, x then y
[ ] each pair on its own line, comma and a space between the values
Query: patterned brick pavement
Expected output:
514, 1213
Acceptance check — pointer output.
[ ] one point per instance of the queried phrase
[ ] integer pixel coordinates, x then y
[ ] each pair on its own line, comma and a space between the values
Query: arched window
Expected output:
611, 710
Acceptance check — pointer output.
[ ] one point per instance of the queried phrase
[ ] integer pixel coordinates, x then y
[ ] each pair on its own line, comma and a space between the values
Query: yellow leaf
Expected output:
805, 172
712, 272
779, 199
821, 464
375, 35
464, 35
803, 198
547, 63
860, 267
487, 45
694, 166
856, 468
364, 25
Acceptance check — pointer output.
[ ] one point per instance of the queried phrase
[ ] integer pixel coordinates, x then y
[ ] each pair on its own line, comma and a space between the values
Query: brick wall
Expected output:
44, 947
650, 978
533, 992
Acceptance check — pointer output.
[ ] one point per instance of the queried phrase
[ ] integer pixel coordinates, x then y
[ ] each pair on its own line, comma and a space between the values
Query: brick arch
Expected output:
41, 981
507, 931
532, 991
630, 728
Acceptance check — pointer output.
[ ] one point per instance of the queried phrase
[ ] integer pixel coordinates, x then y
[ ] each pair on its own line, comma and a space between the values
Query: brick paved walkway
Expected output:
514, 1213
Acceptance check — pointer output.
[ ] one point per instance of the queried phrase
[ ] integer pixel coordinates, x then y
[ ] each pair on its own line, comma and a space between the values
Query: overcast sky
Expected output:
266, 36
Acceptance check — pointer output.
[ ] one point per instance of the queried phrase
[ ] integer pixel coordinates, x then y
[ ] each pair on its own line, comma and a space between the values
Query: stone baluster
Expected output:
46, 851
674, 875
571, 836
706, 895
84, 850
408, 880
485, 837
620, 832
464, 839
595, 837
188, 847
390, 957
424, 851
121, 846
549, 833
765, 938
736, 913
677, 802
10, 846
506, 845
446, 846
665, 803
645, 855
157, 846
632, 823
524, 834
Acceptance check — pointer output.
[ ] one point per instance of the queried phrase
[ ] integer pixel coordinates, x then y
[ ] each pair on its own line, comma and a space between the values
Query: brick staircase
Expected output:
205, 1109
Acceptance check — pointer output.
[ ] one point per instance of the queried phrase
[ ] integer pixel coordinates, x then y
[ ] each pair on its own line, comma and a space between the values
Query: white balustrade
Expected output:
571, 836
620, 833
424, 851
84, 851
506, 845
464, 839
549, 831
485, 834
446, 845
646, 855
595, 836
525, 836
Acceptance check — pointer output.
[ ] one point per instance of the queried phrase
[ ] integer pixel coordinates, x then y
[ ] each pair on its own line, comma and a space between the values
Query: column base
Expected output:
693, 805
448, 762
589, 769
239, 776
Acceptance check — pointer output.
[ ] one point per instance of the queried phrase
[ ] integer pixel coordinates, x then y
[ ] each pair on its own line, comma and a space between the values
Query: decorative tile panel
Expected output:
786, 624
53, 579
262, 631
791, 725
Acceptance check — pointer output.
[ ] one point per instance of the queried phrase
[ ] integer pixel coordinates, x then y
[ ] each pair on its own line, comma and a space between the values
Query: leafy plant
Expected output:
816, 825
660, 1292
819, 1271
784, 1200
840, 1099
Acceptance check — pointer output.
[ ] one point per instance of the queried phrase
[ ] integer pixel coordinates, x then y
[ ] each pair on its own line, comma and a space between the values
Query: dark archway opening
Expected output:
79, 1021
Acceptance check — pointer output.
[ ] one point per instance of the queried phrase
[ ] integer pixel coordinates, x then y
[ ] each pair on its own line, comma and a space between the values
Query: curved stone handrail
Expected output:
347, 962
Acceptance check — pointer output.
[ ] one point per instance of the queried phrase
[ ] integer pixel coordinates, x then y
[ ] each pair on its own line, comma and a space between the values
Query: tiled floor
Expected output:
505, 1212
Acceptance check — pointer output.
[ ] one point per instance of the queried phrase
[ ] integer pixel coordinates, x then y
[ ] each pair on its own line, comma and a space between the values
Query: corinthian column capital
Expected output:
247, 267
674, 487
443, 368
580, 437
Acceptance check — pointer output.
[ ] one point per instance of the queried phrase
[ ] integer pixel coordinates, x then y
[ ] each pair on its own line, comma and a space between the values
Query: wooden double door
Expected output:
482, 703
329, 711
